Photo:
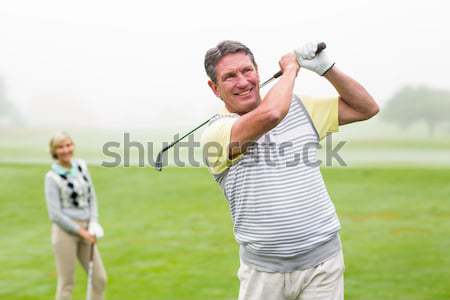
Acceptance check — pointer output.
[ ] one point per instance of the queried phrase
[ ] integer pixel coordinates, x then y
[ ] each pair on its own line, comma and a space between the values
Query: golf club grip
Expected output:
320, 47
278, 74
91, 254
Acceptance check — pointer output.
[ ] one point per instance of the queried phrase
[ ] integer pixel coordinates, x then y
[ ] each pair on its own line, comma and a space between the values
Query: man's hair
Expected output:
214, 55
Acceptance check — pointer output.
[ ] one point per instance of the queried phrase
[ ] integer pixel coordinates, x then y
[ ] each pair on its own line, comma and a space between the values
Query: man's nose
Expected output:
242, 81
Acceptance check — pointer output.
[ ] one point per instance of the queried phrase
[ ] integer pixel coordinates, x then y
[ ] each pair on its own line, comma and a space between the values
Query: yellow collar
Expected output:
224, 111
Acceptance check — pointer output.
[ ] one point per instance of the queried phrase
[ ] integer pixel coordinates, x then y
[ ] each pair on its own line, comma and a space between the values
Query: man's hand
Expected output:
289, 63
307, 58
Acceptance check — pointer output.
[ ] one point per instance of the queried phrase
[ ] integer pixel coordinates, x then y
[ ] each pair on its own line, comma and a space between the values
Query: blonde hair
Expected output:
56, 140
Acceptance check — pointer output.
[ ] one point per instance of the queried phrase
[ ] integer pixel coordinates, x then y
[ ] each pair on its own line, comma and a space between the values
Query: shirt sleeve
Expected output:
323, 113
215, 142
55, 214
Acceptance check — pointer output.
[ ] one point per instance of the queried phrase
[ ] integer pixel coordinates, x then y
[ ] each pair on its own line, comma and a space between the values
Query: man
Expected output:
283, 217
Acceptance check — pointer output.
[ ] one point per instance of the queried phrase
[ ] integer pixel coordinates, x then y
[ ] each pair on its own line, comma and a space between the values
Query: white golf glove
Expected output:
96, 229
307, 58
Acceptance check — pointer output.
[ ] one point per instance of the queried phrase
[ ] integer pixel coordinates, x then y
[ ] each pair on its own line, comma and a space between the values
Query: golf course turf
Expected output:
169, 235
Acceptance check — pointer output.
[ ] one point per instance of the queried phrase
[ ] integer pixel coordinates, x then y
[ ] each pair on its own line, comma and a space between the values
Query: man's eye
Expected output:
246, 70
228, 77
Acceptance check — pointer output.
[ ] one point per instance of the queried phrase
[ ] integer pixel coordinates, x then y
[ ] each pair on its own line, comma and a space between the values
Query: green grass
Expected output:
169, 235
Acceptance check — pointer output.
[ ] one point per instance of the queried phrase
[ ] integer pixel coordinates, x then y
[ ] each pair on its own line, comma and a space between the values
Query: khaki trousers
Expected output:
67, 248
322, 282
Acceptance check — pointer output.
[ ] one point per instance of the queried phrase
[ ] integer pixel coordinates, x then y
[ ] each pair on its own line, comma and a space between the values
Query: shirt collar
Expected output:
224, 111
60, 170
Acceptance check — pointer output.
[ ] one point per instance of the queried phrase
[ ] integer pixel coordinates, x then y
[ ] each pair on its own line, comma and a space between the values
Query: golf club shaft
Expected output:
158, 162
90, 272
193, 130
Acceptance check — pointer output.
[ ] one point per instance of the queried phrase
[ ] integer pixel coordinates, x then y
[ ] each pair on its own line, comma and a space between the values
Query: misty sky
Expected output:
140, 64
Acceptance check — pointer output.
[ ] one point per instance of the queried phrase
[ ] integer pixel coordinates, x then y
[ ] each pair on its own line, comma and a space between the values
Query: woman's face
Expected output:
64, 151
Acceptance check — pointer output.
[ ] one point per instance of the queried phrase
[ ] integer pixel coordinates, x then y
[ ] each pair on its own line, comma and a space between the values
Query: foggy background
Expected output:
98, 69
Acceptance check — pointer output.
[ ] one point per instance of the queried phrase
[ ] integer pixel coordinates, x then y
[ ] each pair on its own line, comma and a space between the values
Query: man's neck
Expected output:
229, 110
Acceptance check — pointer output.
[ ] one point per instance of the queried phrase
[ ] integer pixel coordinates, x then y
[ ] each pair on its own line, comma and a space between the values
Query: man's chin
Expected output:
248, 107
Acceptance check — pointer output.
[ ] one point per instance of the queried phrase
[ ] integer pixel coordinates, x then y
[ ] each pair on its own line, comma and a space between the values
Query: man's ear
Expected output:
214, 88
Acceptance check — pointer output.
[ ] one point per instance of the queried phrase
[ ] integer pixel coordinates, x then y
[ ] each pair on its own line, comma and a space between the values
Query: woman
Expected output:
72, 208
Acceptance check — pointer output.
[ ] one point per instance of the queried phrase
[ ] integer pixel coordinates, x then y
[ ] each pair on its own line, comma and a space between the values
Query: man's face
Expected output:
237, 83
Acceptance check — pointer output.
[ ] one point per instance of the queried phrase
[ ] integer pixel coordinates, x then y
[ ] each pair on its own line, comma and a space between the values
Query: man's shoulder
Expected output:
311, 101
215, 141
217, 125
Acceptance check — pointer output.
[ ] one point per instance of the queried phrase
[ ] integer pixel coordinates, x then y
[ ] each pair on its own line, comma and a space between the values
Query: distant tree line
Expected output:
9, 115
412, 104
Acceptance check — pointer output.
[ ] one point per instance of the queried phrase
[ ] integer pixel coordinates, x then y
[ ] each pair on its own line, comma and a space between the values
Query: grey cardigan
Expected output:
70, 196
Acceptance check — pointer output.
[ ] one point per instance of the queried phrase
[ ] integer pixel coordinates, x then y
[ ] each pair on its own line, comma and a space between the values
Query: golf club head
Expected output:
158, 163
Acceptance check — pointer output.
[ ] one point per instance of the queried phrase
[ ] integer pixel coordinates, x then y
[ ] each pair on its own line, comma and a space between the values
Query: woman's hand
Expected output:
87, 236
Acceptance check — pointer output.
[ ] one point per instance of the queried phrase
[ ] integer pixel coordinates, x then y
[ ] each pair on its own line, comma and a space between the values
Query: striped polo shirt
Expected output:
283, 217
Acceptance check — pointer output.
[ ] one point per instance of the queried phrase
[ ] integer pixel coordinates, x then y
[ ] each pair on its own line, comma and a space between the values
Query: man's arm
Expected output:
355, 103
275, 106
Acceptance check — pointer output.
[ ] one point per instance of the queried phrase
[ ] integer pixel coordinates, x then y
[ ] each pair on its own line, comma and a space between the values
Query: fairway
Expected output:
169, 235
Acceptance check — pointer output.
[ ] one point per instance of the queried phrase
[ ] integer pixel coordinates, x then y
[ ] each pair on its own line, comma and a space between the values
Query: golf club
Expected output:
90, 273
159, 158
